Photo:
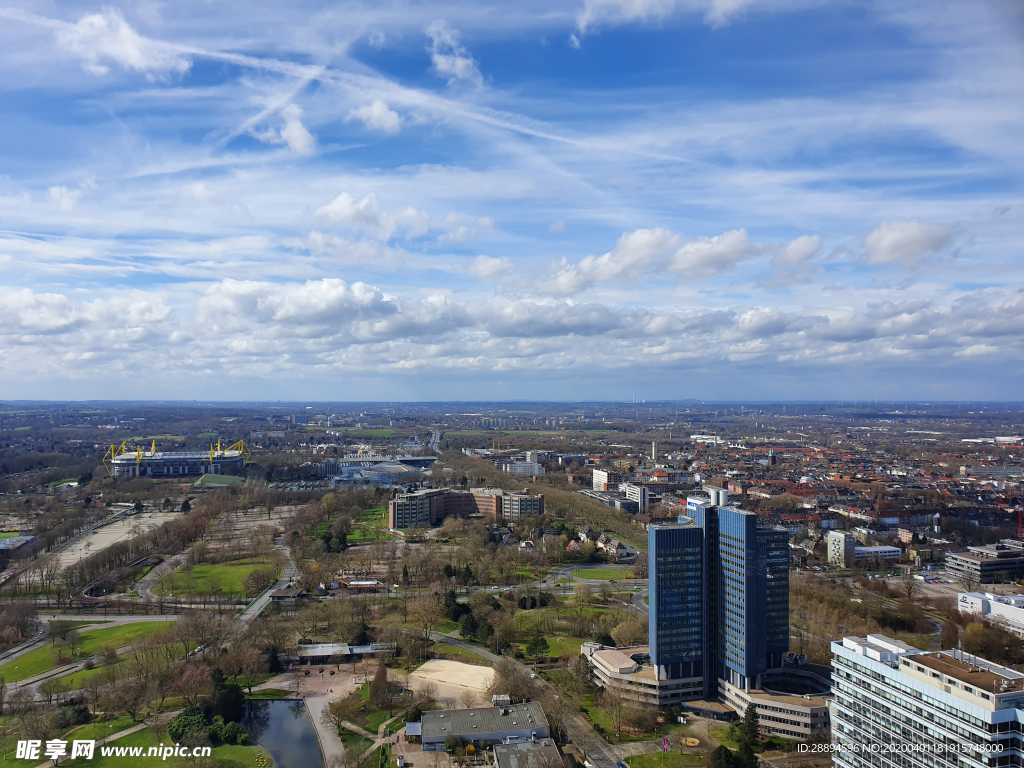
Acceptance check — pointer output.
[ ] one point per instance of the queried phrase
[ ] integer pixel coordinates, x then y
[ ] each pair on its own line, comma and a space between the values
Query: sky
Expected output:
589, 199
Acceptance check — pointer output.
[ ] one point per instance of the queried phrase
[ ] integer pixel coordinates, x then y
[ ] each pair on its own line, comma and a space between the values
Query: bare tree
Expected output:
910, 585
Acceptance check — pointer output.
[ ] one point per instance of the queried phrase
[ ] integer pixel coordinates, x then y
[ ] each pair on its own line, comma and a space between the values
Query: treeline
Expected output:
170, 538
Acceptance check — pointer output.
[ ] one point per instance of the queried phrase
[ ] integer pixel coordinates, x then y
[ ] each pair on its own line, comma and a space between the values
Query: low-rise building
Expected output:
988, 564
507, 724
1005, 610
542, 753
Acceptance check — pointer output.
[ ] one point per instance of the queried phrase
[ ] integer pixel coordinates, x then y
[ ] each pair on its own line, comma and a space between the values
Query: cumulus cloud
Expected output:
487, 268
798, 251
325, 326
366, 216
107, 36
62, 198
293, 132
715, 255
643, 251
633, 252
904, 240
376, 116
450, 58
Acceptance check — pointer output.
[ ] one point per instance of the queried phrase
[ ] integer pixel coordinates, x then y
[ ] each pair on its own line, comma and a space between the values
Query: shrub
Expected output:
191, 720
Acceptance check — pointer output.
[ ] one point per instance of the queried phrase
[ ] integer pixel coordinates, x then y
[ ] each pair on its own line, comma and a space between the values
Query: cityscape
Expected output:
474, 384
519, 583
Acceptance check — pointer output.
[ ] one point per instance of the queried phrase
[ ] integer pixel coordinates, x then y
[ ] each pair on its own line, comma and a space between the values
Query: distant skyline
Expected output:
724, 200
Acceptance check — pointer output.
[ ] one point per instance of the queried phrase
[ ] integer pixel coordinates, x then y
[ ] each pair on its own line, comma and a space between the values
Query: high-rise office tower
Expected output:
740, 581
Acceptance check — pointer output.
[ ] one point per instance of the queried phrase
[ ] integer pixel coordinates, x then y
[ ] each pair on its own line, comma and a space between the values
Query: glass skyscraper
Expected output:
719, 598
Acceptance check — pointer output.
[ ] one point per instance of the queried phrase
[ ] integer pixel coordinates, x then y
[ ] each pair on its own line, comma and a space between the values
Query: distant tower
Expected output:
654, 450
771, 457
937, 523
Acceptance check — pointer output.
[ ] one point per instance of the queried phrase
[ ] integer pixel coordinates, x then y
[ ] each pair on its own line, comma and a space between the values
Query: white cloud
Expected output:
488, 268
198, 191
377, 117
621, 11
450, 58
376, 39
106, 36
894, 241
722, 12
715, 255
64, 199
557, 226
293, 132
798, 251
633, 253
366, 216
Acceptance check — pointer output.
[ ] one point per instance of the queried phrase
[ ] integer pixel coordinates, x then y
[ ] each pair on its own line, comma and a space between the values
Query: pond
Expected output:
284, 729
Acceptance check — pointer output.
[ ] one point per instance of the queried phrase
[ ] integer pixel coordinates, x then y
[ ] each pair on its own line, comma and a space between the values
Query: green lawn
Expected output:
9, 534
604, 573
144, 738
564, 646
723, 738
206, 579
265, 694
98, 730
92, 642
454, 650
236, 756
354, 741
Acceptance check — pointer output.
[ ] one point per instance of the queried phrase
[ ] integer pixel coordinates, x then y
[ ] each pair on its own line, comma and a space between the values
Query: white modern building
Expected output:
841, 546
525, 468
897, 707
882, 555
1005, 610
641, 494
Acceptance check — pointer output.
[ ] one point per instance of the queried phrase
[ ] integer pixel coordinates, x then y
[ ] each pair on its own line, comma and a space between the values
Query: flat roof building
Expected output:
898, 707
430, 507
507, 724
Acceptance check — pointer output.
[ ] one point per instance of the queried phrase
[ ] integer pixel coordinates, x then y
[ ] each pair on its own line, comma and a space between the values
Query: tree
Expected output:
512, 679
613, 705
750, 727
581, 599
427, 614
250, 666
629, 633
193, 684
910, 585
379, 687
969, 581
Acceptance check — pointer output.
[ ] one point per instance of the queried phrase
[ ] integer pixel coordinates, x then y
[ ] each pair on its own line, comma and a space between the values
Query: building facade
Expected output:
991, 564
1005, 610
430, 507
897, 707
719, 599
841, 547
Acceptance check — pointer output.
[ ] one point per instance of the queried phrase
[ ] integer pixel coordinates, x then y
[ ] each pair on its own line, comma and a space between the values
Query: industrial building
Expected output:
122, 461
898, 707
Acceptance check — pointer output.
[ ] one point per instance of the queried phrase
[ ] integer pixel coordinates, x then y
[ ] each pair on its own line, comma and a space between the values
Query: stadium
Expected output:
123, 461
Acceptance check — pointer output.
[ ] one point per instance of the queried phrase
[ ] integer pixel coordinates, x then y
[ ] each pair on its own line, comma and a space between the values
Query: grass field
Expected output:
270, 694
93, 641
454, 650
353, 741
604, 574
564, 646
207, 579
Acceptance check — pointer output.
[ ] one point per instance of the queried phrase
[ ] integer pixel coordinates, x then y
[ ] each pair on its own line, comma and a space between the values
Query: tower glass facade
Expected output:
719, 598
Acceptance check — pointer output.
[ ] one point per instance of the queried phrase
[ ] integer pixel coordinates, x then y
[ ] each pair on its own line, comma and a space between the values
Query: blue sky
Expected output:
764, 199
